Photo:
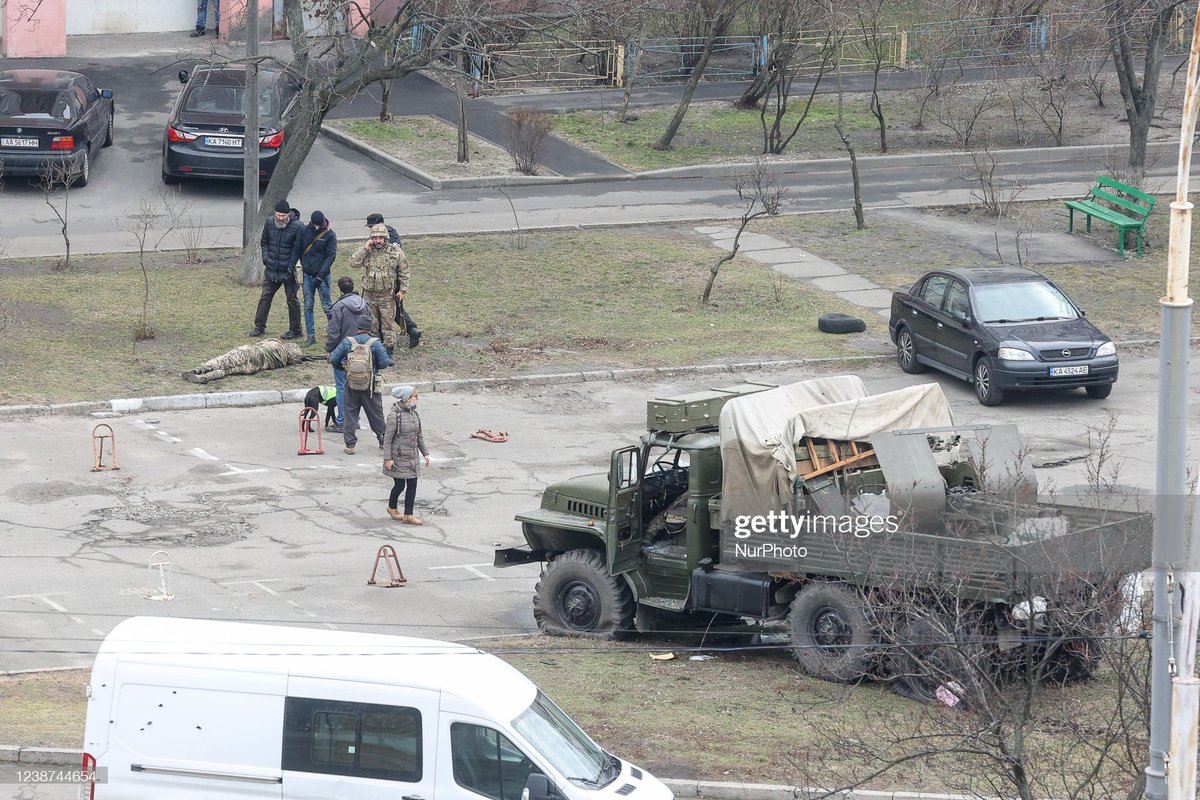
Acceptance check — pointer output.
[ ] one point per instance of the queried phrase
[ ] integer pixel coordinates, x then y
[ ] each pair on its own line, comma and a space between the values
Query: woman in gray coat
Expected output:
402, 442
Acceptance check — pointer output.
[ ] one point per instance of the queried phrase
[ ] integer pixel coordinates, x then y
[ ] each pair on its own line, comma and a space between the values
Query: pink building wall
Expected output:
40, 33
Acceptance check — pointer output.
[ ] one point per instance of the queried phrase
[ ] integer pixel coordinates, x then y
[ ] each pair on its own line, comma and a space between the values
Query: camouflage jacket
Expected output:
384, 269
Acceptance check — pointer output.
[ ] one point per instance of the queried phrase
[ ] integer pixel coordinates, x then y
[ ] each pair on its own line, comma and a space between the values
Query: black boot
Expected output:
389, 351
256, 332
292, 334
198, 32
414, 337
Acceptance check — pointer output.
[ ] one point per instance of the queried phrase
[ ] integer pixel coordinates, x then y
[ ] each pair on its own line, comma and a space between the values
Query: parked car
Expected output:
1002, 329
205, 132
48, 117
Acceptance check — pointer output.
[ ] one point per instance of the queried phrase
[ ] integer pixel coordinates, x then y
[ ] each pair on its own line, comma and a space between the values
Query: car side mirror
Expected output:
538, 787
183, 76
106, 94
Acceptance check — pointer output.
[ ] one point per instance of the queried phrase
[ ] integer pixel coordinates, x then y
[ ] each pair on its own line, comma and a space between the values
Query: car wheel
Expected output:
986, 390
84, 173
906, 352
1099, 392
835, 322
108, 135
169, 179
831, 634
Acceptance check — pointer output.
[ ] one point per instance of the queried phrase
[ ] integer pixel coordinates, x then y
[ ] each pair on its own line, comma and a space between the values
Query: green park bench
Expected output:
1133, 206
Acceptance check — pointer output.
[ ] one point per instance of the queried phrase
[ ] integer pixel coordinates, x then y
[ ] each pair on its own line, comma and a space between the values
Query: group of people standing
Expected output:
356, 353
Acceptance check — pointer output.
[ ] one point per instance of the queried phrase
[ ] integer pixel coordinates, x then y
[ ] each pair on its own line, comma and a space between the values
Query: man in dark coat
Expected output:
402, 316
343, 322
318, 249
281, 249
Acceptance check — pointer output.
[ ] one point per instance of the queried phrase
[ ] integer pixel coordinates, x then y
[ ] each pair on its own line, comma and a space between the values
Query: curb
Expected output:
269, 397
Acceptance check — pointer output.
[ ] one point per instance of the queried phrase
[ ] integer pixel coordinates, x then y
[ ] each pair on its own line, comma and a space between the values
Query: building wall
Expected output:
131, 16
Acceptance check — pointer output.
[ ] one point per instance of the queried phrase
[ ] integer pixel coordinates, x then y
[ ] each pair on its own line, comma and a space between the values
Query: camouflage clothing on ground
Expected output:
246, 360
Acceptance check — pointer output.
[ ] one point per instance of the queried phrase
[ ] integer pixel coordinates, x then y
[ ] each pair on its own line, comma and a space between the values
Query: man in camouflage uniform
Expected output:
385, 281
246, 360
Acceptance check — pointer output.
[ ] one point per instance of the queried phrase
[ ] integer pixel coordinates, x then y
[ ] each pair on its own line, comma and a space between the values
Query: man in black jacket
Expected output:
318, 249
281, 249
402, 316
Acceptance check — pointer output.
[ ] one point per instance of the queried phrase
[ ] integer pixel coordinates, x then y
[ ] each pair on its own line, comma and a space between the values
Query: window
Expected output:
80, 97
956, 301
364, 740
1028, 301
219, 99
487, 763
934, 290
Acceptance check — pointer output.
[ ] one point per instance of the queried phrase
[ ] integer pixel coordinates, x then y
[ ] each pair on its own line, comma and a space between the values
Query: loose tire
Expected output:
108, 134
832, 638
985, 383
577, 596
906, 352
1099, 392
835, 322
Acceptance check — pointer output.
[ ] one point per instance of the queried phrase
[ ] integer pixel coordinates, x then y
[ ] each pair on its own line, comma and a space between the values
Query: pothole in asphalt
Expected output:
164, 525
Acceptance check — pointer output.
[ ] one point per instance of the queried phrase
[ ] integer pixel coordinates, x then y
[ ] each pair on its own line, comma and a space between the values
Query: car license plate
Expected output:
10, 141
223, 141
1056, 371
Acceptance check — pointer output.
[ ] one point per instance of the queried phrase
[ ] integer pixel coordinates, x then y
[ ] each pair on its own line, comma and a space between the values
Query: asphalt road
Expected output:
348, 186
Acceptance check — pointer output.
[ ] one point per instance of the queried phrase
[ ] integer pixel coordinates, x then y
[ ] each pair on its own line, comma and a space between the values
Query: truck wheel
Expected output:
577, 596
1073, 659
930, 665
831, 636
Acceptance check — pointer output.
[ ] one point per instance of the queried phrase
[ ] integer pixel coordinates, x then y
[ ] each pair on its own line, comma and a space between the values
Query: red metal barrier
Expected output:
310, 420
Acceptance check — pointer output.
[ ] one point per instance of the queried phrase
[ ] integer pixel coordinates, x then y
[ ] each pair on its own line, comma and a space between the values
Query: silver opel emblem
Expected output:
1066, 352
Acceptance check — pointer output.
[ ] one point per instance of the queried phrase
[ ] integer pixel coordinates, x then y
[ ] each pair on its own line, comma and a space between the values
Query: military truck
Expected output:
843, 514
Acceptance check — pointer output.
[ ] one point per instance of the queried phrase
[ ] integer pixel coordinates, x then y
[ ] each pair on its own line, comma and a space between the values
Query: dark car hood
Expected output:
1076, 332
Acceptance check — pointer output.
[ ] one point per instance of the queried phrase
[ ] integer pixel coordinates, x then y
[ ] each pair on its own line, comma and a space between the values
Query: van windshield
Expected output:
564, 745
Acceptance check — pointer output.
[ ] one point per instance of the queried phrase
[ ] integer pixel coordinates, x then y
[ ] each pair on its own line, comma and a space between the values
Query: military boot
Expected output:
414, 337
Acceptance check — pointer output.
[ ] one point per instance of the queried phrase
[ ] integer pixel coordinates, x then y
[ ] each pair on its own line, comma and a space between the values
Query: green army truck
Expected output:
840, 513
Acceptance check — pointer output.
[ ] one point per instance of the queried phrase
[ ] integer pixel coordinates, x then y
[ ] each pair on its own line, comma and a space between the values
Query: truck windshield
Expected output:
563, 744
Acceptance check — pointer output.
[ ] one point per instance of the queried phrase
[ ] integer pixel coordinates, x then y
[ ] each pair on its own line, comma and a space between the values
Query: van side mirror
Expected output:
106, 94
538, 787
183, 76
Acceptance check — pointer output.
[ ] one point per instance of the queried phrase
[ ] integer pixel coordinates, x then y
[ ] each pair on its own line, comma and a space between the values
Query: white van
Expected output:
181, 709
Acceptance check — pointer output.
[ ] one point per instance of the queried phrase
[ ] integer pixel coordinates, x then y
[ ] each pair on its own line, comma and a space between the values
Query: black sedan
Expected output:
1002, 329
50, 117
204, 136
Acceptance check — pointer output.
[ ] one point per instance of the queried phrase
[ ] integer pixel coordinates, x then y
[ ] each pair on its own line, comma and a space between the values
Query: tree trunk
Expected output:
629, 81
715, 268
714, 30
877, 111
860, 221
384, 97
1140, 99
756, 92
460, 103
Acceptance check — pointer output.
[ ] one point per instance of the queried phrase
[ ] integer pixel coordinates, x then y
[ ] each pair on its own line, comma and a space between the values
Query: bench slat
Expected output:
1104, 213
1130, 190
1138, 210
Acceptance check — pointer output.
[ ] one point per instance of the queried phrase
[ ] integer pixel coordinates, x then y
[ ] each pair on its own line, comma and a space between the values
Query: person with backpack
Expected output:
403, 448
361, 357
318, 250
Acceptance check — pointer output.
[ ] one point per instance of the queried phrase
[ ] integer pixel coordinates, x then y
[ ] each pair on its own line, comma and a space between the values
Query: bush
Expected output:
527, 129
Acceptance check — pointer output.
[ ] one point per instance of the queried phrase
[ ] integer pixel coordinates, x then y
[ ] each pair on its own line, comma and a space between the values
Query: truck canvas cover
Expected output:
760, 432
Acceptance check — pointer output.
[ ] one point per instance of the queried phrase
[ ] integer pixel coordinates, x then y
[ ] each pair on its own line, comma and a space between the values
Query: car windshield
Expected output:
35, 103
1028, 301
552, 733
220, 99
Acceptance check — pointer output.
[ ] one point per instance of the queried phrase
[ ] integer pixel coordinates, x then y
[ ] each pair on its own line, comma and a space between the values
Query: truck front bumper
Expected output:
511, 556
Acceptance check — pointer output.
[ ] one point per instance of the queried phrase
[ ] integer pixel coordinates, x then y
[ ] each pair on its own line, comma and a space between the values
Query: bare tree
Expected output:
527, 131
1138, 28
962, 107
869, 19
719, 14
150, 224
56, 182
760, 194
813, 55
991, 186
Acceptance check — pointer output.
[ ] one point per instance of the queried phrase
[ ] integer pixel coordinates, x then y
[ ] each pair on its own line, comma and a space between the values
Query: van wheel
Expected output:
832, 637
577, 596
985, 383
906, 352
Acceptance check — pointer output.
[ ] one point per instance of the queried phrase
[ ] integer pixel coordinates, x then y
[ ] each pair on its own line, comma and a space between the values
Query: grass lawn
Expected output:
430, 144
625, 297
742, 716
